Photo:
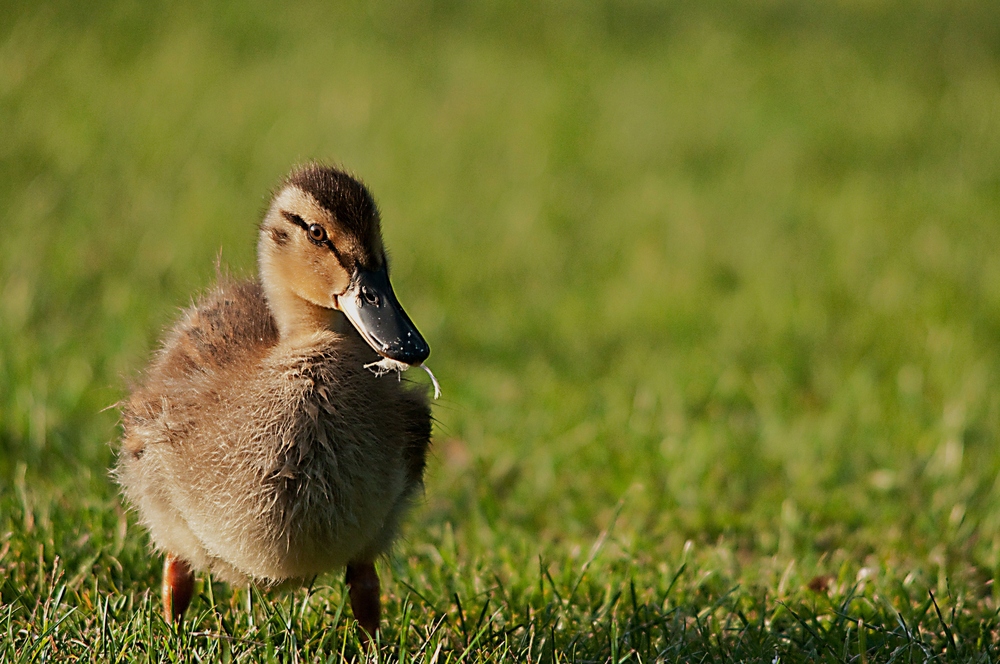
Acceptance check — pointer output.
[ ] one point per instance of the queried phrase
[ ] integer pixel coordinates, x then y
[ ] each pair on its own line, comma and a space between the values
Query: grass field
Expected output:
713, 293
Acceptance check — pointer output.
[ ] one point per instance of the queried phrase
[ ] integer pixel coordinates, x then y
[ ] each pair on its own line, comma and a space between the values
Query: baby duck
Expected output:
258, 445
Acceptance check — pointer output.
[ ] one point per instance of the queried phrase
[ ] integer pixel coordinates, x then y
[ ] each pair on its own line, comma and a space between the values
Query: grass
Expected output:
712, 291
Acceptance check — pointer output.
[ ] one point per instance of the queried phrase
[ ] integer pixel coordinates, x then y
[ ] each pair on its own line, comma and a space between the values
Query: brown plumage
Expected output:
258, 446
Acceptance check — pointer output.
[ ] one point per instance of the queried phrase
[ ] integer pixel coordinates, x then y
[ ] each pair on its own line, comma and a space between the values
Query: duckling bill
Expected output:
257, 445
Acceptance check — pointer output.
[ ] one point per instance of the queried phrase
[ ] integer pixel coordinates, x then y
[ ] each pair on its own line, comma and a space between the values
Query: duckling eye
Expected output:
317, 233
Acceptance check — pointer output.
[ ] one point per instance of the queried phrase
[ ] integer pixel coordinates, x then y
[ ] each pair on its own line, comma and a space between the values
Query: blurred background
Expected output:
722, 272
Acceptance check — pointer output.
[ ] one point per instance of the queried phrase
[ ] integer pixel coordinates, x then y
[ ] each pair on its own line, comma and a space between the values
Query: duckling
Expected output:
258, 445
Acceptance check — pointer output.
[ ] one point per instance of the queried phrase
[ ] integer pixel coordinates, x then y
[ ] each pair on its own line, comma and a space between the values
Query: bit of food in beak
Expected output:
385, 365
371, 305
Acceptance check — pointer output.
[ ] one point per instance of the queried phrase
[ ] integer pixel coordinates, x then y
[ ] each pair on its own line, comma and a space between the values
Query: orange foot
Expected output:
178, 587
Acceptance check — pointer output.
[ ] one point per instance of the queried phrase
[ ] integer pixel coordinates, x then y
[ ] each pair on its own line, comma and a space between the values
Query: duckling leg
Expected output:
362, 580
178, 586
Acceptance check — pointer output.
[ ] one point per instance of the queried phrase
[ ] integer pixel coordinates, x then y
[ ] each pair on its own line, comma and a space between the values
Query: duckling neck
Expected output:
294, 316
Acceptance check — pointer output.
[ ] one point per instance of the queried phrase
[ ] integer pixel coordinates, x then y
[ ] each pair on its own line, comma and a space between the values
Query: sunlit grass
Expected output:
712, 292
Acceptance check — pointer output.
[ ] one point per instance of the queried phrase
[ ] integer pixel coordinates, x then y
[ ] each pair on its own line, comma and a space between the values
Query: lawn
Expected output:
712, 290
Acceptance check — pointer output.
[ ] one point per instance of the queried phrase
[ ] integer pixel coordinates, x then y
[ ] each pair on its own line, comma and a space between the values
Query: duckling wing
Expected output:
229, 327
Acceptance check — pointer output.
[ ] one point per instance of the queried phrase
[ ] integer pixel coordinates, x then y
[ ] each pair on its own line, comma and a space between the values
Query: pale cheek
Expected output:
334, 277
331, 280
339, 281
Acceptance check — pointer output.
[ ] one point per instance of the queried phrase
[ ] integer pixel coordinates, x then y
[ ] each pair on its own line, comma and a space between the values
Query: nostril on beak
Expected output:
370, 296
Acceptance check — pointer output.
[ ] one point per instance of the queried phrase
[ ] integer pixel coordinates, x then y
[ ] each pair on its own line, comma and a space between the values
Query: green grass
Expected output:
713, 292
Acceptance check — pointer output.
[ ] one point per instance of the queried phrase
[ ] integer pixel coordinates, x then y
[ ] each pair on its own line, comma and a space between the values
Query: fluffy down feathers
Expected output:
265, 460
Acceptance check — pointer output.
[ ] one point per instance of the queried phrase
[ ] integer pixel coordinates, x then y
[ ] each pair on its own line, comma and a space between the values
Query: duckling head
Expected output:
320, 249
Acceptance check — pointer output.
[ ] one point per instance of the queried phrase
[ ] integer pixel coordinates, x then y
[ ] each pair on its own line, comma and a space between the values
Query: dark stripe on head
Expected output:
295, 219
328, 243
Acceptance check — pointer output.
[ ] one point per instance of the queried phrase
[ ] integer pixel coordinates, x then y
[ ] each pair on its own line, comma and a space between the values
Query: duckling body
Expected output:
258, 446
266, 460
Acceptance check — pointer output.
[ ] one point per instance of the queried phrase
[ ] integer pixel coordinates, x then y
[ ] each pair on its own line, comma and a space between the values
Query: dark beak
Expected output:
373, 309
